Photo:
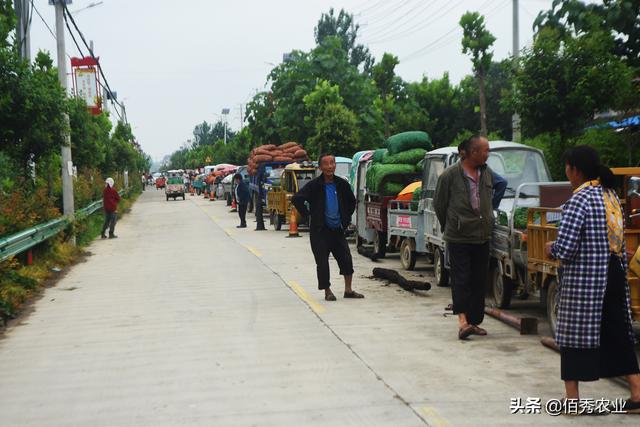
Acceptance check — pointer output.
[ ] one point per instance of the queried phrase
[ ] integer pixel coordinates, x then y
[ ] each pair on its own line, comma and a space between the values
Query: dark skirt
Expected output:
616, 355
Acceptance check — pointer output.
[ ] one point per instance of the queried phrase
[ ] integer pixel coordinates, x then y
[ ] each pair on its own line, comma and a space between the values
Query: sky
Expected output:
176, 63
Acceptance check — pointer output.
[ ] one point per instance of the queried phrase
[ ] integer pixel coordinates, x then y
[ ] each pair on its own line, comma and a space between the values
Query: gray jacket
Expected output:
452, 204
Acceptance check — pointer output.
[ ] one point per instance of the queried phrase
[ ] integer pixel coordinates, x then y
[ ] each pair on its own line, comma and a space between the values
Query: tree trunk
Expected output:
483, 105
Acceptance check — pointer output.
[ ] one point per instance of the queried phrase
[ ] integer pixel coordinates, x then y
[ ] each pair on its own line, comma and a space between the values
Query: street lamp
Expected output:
225, 113
89, 6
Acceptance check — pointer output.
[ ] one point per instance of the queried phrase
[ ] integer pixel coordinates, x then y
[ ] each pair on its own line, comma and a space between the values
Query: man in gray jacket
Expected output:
463, 205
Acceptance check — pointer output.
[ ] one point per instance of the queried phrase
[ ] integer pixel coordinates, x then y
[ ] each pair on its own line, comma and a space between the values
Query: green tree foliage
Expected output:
345, 29
620, 18
476, 42
563, 81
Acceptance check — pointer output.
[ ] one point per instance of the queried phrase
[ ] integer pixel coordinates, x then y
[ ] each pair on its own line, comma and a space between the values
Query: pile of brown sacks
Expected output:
289, 152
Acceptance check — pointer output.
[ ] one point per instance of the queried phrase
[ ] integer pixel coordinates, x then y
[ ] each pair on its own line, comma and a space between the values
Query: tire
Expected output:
380, 244
167, 197
183, 198
277, 221
552, 306
502, 288
229, 199
359, 241
408, 254
439, 270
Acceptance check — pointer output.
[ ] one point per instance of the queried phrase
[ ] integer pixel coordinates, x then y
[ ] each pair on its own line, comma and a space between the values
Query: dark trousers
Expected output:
616, 355
469, 274
109, 222
325, 242
242, 213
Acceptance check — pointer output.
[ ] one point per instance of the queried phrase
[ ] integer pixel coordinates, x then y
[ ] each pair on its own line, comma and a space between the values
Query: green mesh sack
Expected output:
409, 157
378, 155
391, 188
407, 140
416, 194
377, 172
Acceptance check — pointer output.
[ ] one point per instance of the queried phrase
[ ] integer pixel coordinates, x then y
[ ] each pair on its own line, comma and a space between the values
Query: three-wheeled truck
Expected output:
371, 208
260, 184
542, 227
414, 227
294, 176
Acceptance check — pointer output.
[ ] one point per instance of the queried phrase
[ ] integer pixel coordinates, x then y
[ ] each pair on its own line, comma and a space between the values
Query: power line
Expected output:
389, 30
437, 15
433, 46
385, 12
43, 20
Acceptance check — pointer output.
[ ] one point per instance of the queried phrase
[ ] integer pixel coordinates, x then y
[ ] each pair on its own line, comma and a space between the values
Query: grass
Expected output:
20, 282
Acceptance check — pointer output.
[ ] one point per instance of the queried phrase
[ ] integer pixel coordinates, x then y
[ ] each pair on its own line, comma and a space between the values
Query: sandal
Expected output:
465, 331
353, 294
477, 330
329, 297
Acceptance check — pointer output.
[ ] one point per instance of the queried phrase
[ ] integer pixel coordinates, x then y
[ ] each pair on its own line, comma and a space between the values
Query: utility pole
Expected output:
67, 163
241, 119
515, 119
22, 28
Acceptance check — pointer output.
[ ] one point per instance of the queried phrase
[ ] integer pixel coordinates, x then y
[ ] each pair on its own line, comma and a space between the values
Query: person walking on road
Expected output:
241, 192
110, 200
331, 204
463, 202
594, 328
144, 181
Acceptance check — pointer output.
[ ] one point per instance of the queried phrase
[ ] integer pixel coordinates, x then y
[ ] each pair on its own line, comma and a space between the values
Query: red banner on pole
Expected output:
86, 83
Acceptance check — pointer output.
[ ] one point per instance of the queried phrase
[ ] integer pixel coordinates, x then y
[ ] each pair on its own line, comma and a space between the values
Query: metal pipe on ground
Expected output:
526, 325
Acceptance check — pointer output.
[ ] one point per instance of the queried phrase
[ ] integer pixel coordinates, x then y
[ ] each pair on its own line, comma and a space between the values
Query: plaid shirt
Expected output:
583, 248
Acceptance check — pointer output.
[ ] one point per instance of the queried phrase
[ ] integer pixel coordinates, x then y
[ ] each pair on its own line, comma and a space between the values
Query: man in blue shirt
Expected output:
330, 206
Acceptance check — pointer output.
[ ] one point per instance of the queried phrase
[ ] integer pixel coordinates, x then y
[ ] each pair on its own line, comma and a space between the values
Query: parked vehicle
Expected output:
343, 167
414, 227
371, 208
359, 166
268, 176
542, 227
175, 184
294, 177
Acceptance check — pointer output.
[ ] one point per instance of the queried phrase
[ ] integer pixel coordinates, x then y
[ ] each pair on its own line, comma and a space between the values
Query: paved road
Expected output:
186, 320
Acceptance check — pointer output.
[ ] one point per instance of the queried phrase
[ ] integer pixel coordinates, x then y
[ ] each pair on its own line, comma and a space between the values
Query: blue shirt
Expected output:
331, 210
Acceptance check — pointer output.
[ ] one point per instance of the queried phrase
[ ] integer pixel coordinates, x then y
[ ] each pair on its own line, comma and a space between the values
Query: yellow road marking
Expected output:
304, 296
228, 231
254, 251
433, 417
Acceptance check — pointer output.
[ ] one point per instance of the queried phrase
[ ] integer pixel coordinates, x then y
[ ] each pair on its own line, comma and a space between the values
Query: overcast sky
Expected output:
177, 63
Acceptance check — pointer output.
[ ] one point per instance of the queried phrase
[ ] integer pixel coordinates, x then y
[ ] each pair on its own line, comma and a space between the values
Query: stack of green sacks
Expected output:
402, 155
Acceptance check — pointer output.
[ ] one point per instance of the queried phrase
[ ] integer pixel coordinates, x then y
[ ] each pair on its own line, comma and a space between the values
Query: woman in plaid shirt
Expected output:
594, 311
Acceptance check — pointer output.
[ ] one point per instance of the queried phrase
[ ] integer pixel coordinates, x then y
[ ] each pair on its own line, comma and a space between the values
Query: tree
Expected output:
619, 18
476, 42
344, 28
563, 81
335, 126
389, 86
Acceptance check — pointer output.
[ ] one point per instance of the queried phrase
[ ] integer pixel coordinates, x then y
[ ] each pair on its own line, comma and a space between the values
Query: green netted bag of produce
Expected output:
416, 194
409, 157
407, 140
391, 188
520, 218
378, 155
377, 172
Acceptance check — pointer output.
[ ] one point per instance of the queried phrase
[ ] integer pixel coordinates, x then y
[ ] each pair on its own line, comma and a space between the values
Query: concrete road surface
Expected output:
186, 320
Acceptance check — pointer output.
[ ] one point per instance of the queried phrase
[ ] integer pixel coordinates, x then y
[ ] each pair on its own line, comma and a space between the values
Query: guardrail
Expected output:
26, 239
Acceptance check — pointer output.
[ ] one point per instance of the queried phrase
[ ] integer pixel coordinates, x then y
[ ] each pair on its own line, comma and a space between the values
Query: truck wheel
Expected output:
183, 198
502, 288
167, 197
277, 221
359, 240
250, 205
380, 244
552, 305
408, 254
439, 270
228, 199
